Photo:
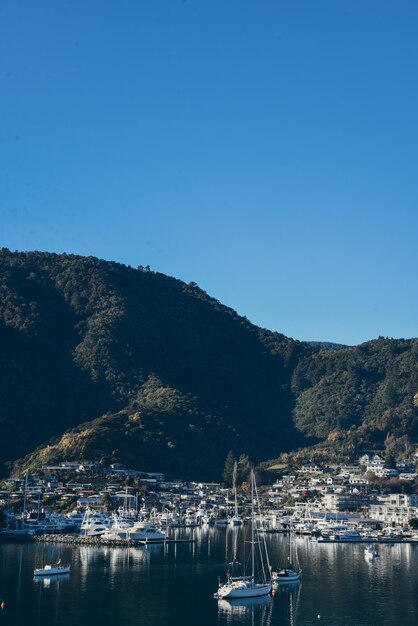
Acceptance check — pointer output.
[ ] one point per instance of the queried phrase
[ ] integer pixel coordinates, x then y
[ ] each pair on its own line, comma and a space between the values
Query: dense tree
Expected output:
244, 466
229, 468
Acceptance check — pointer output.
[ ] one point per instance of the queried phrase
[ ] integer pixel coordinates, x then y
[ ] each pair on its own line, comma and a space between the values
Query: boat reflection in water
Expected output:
111, 558
289, 597
243, 610
46, 581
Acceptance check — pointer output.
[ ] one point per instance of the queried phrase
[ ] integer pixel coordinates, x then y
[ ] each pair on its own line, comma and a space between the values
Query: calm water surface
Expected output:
174, 585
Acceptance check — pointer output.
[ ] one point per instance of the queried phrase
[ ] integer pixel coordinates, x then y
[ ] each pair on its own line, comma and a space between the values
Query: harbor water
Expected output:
173, 584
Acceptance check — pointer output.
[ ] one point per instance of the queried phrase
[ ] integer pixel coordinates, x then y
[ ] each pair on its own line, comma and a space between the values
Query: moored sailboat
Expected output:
291, 573
51, 570
247, 586
285, 575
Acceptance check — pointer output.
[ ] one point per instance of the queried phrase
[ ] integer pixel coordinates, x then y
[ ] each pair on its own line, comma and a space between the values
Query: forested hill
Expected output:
180, 378
105, 361
367, 393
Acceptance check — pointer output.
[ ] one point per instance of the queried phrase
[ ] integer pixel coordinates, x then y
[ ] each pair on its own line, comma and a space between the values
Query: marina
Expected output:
179, 550
208, 320
172, 583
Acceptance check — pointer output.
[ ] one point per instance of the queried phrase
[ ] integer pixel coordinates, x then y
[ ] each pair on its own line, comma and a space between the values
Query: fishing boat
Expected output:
248, 585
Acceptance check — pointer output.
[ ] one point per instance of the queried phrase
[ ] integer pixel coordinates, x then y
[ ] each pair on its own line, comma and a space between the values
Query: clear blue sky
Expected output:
265, 149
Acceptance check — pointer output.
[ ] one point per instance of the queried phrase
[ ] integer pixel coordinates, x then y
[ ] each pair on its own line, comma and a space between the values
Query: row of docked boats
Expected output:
116, 527
328, 529
95, 524
91, 523
362, 535
53, 524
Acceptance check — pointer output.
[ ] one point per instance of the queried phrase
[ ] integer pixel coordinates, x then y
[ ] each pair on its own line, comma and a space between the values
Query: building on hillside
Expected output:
395, 509
348, 501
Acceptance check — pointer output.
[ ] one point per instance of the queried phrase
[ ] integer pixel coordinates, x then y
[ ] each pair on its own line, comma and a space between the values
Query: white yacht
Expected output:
94, 524
144, 531
137, 531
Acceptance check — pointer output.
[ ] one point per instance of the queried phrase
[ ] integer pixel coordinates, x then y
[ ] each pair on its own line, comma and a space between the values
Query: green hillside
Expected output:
372, 384
100, 360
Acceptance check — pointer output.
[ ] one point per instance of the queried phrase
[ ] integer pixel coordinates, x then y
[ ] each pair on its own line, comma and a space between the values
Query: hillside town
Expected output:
330, 502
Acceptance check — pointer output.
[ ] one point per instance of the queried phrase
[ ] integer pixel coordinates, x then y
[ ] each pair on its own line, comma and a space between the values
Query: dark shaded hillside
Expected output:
105, 361
165, 431
80, 337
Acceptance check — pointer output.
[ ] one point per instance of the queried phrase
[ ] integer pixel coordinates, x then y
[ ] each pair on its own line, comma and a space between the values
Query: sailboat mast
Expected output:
252, 526
235, 488
24, 501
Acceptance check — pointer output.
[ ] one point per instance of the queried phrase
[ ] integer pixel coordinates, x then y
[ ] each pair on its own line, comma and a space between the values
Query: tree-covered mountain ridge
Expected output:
100, 360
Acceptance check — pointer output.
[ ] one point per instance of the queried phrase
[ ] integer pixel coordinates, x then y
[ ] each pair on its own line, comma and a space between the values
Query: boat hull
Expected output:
252, 590
285, 577
141, 535
51, 571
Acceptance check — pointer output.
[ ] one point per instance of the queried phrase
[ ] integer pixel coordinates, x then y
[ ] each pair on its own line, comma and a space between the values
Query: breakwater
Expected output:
99, 541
